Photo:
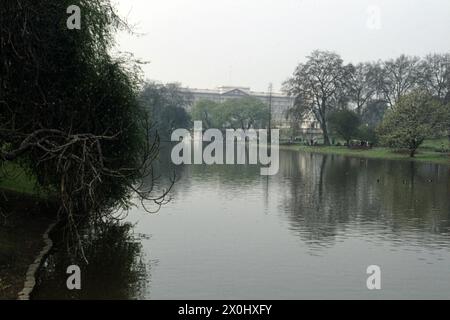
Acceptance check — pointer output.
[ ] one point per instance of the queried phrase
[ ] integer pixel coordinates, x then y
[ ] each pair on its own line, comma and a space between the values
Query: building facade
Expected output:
280, 104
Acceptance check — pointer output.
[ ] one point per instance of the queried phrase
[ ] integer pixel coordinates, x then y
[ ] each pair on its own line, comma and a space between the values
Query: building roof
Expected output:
234, 89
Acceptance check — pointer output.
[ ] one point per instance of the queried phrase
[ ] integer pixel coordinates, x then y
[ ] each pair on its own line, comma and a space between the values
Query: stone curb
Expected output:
30, 280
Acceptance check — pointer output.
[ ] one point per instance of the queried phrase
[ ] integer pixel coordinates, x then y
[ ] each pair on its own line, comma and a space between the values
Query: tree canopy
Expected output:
345, 123
324, 84
318, 86
167, 106
69, 112
242, 113
414, 118
206, 111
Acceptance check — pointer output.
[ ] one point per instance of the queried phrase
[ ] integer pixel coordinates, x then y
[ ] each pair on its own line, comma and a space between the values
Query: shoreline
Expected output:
422, 156
30, 278
24, 222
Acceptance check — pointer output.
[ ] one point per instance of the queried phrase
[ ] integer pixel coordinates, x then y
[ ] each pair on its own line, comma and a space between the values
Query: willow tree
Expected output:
69, 112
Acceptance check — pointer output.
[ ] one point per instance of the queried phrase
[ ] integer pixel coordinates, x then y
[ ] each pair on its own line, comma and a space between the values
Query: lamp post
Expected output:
270, 111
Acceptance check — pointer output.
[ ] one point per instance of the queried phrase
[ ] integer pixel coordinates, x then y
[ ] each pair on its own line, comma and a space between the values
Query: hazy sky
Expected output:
206, 43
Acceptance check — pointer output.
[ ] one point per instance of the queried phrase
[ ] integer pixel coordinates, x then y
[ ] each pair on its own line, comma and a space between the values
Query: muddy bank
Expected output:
23, 221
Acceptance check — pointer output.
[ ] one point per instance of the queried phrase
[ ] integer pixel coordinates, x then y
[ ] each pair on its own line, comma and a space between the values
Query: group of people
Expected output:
360, 144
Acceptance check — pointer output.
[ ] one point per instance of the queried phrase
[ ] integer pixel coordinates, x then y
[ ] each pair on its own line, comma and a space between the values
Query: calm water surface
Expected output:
308, 232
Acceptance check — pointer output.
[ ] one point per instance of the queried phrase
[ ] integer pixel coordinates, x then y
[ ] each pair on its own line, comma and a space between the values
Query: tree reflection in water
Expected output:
116, 267
327, 195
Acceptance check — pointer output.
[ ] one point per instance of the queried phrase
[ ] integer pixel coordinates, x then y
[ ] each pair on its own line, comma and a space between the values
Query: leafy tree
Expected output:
367, 133
167, 105
69, 112
345, 123
297, 114
206, 111
243, 113
414, 118
317, 86
446, 119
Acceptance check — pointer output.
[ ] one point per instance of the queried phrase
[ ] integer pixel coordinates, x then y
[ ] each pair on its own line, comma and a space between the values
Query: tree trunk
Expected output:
326, 138
359, 110
412, 152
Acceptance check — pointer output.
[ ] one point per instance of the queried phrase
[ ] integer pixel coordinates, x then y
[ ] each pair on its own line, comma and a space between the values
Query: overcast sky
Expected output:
207, 43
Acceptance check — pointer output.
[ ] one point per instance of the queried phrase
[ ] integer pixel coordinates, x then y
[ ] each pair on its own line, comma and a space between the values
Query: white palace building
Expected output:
280, 103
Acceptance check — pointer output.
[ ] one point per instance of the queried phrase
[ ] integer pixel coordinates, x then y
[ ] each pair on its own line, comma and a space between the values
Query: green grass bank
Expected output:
432, 151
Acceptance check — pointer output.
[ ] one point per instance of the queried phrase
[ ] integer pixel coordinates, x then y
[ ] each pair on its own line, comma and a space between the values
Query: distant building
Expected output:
280, 104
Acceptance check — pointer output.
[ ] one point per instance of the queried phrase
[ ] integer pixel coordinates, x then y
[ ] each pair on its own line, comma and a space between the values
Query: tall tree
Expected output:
362, 85
317, 86
243, 113
435, 75
398, 77
297, 114
345, 124
167, 105
69, 112
206, 111
237, 113
374, 112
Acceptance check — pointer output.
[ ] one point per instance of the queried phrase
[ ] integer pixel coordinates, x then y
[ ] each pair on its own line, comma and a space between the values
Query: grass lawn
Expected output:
14, 178
438, 145
428, 152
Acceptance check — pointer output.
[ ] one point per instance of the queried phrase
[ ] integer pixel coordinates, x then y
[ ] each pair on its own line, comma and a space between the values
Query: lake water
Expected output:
308, 232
